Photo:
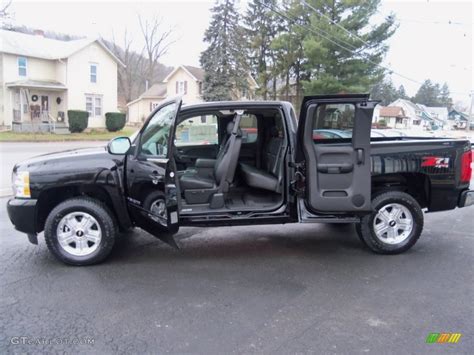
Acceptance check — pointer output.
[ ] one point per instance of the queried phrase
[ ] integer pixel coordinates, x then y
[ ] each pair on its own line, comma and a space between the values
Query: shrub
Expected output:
114, 121
78, 120
382, 123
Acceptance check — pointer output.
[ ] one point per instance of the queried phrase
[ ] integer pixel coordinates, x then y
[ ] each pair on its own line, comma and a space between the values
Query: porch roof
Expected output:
37, 84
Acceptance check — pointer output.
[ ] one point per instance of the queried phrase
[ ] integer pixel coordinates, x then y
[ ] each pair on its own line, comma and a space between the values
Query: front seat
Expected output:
268, 178
224, 166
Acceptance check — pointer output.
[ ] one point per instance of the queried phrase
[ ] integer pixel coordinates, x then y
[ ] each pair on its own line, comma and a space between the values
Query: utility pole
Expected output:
470, 120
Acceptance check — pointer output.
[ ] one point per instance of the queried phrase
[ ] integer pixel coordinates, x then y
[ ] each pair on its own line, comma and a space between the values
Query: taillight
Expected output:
466, 169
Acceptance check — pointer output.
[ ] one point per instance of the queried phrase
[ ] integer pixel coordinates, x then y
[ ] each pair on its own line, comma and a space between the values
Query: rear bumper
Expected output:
466, 198
22, 213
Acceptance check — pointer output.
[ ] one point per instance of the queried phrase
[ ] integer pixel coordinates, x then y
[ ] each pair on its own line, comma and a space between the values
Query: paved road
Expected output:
265, 290
14, 152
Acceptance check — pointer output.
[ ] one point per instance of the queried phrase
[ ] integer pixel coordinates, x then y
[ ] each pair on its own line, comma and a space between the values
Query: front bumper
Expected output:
22, 213
466, 198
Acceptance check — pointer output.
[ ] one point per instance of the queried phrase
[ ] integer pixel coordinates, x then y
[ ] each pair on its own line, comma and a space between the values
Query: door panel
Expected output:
152, 191
337, 170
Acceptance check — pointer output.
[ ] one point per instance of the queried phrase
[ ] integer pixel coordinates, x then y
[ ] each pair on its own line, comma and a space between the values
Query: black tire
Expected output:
366, 231
102, 215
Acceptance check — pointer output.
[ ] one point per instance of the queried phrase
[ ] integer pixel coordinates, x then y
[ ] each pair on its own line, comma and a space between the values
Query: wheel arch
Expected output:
417, 185
50, 198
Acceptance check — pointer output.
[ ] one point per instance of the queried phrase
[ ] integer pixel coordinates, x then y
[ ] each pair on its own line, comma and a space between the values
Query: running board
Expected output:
306, 216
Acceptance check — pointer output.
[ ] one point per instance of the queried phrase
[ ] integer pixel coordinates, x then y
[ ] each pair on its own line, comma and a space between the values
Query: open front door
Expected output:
334, 145
152, 192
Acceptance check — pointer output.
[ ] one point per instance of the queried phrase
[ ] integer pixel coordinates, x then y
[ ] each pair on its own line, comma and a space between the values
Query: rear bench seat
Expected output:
269, 177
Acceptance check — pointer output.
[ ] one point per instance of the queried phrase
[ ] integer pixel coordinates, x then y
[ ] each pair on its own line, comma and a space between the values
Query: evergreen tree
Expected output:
401, 93
384, 91
351, 65
261, 27
445, 99
289, 47
428, 94
224, 61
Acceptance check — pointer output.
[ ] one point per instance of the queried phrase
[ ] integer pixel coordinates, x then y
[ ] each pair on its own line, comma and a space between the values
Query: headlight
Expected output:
21, 184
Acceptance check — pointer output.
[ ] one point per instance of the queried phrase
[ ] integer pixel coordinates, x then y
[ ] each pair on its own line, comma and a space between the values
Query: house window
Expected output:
182, 87
93, 73
98, 106
153, 105
22, 62
94, 105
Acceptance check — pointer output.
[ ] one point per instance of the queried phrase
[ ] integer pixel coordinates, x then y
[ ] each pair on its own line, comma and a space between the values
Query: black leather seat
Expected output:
224, 167
269, 177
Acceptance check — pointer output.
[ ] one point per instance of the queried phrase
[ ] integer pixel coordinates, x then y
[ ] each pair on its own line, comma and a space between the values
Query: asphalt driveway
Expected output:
266, 290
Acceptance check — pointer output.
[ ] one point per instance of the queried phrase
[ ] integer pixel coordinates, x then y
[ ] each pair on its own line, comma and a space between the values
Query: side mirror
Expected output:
119, 145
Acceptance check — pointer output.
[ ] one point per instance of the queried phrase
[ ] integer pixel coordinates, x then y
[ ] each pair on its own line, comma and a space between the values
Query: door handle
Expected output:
360, 156
158, 160
335, 168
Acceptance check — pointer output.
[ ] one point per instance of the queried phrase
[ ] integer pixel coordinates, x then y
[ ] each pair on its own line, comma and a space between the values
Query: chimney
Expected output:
38, 33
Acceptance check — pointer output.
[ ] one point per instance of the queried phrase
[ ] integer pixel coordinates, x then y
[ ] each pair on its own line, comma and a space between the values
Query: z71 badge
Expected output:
435, 162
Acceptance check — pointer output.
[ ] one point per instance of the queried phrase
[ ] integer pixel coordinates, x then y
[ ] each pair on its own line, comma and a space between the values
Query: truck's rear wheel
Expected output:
394, 226
80, 231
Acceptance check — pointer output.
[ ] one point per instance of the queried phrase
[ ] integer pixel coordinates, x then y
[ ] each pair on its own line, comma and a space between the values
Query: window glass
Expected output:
89, 105
21, 66
154, 139
94, 105
248, 126
197, 130
333, 121
93, 73
98, 106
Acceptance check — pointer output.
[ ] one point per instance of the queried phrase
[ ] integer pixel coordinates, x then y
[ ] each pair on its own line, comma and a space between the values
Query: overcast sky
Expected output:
425, 45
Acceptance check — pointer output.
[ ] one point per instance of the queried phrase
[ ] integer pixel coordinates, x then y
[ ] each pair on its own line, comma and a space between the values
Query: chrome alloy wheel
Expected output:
393, 223
79, 234
158, 208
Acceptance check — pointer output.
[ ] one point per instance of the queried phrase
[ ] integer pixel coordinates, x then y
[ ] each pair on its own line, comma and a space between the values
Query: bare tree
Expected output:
4, 11
129, 76
157, 42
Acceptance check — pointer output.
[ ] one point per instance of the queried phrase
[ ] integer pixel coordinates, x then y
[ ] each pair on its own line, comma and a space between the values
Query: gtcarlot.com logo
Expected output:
27, 340
440, 338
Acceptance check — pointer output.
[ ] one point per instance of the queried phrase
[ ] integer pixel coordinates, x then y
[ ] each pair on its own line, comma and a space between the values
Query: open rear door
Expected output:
334, 147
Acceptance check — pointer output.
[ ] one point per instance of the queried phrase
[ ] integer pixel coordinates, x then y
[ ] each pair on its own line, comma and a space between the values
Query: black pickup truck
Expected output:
236, 163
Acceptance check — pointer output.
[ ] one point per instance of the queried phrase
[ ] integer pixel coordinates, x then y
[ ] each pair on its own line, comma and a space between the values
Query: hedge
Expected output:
382, 123
78, 120
114, 121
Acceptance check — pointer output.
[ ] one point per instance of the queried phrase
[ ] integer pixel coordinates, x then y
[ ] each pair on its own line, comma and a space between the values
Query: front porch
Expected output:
38, 106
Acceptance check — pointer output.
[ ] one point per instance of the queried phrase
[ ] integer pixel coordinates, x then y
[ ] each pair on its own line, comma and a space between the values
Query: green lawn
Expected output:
94, 135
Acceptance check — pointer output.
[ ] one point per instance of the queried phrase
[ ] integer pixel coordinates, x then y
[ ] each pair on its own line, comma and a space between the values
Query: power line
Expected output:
293, 21
335, 23
313, 30
439, 22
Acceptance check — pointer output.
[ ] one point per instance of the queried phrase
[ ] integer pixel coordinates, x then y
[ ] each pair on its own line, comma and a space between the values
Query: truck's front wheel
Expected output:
394, 226
80, 231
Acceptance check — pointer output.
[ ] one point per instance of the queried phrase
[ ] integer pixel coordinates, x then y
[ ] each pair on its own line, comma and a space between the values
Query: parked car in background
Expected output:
387, 133
331, 133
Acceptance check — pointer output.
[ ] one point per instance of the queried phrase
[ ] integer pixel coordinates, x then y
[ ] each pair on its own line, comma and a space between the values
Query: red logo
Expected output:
435, 162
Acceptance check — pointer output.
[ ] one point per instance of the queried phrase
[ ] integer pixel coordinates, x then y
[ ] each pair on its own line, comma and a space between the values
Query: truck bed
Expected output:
437, 159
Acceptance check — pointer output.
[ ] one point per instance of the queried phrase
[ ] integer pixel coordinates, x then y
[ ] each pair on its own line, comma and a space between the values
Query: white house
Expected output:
42, 78
439, 114
184, 80
411, 111
394, 117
